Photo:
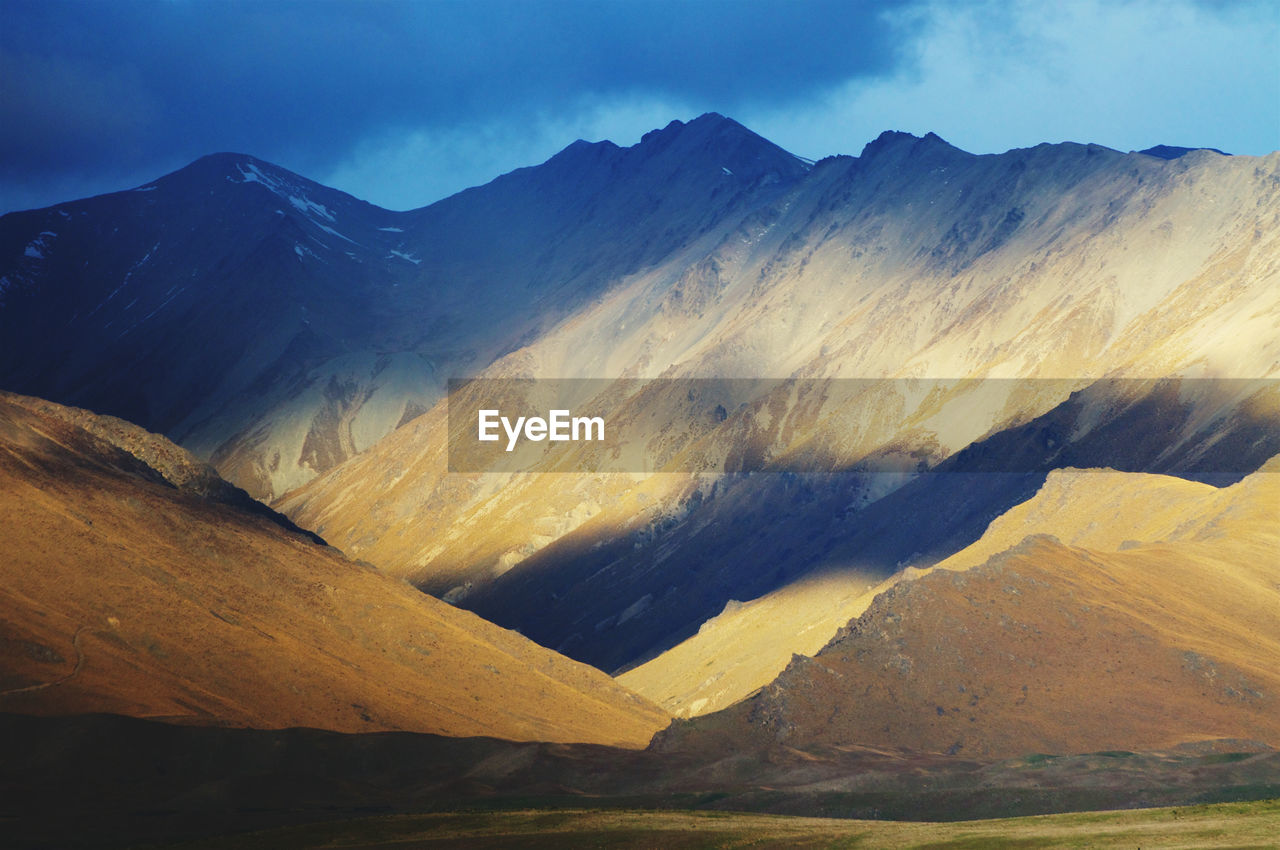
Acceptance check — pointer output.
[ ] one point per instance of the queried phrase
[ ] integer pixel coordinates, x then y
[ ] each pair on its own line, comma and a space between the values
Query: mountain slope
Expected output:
750, 643
1048, 647
122, 593
746, 646
276, 327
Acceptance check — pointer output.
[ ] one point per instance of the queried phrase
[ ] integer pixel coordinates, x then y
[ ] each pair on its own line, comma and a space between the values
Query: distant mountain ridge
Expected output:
278, 326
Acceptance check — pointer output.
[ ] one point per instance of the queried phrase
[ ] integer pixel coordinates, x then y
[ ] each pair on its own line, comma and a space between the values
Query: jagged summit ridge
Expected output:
705, 125
674, 152
907, 144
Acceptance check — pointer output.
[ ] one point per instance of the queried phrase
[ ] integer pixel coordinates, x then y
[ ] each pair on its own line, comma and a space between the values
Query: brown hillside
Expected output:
750, 643
1054, 648
120, 593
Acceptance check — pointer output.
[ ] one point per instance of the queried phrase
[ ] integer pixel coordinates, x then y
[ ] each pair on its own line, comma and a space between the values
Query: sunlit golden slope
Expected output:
1050, 647
748, 645
1100, 509
121, 593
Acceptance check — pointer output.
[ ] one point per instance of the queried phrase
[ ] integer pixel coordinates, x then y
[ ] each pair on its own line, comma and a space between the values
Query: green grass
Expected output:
1236, 825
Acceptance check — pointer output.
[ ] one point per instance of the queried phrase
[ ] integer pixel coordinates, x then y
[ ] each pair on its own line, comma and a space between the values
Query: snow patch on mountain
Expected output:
333, 232
307, 206
405, 256
298, 199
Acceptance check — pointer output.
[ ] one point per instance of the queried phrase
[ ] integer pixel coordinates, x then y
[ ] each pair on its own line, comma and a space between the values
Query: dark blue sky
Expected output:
402, 103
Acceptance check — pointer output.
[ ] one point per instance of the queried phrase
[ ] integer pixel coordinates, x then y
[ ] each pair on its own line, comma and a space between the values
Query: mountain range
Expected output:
916, 455
1050, 283
277, 326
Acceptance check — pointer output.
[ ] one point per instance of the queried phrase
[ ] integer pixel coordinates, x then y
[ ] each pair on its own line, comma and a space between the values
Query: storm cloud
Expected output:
402, 103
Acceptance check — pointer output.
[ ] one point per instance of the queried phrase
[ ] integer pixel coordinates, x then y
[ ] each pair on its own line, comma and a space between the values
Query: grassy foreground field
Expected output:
1236, 825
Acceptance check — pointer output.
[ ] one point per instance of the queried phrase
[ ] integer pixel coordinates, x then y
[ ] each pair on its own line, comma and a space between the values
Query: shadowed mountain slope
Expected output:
124, 593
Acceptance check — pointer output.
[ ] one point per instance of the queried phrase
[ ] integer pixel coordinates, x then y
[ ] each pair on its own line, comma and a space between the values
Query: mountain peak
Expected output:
228, 158
706, 127
236, 171
225, 164
581, 150
1175, 151
219, 169
716, 121
707, 130
715, 141
906, 144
